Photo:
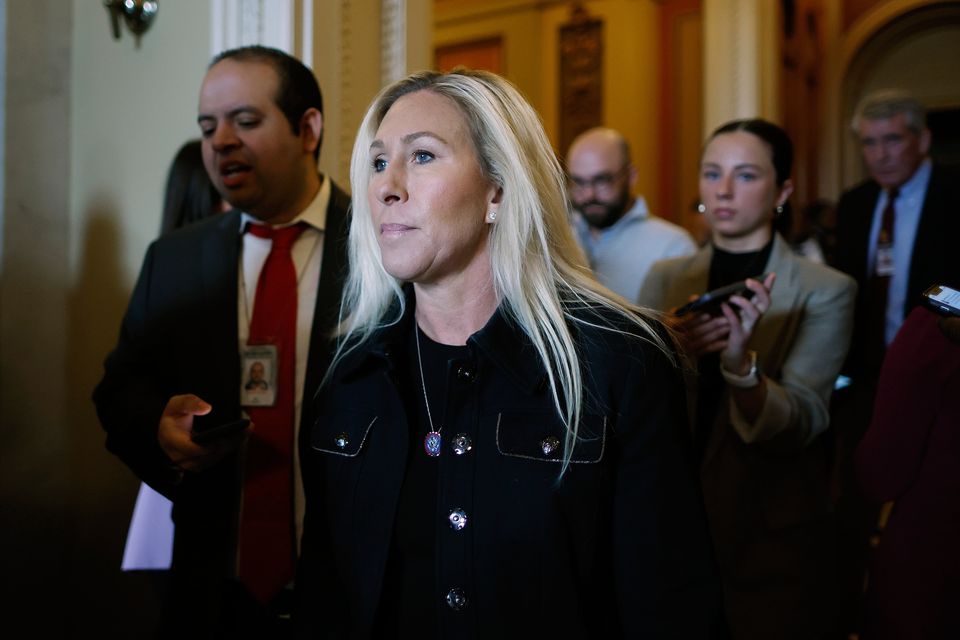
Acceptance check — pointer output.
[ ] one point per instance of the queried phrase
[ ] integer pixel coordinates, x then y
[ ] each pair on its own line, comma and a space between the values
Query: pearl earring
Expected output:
702, 208
492, 216
779, 209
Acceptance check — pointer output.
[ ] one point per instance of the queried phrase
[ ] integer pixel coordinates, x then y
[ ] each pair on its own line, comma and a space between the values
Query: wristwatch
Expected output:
748, 381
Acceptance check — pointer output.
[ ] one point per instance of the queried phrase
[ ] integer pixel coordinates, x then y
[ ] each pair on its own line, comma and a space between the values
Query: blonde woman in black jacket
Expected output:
497, 449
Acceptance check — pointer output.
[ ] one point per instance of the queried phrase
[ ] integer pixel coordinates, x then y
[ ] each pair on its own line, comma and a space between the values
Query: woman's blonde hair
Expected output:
539, 274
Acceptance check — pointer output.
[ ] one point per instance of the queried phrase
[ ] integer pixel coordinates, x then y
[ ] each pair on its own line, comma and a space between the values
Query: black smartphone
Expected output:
711, 300
943, 299
202, 436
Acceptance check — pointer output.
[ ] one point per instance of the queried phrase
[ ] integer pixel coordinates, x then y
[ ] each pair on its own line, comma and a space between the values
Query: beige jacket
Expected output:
801, 341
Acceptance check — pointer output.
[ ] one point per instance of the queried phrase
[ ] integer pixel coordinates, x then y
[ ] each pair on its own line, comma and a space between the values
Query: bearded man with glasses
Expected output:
621, 238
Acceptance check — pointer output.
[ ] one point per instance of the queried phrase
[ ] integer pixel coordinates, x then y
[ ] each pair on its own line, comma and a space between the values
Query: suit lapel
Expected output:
863, 220
768, 337
332, 274
219, 259
693, 278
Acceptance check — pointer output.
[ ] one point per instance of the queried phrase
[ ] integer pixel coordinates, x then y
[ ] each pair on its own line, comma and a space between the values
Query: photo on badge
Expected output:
258, 387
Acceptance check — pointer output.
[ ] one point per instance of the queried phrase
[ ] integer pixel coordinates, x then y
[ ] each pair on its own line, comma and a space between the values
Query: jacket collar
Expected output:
500, 342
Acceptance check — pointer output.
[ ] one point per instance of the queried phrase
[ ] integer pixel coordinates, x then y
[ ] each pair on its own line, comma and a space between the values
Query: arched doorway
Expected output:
916, 49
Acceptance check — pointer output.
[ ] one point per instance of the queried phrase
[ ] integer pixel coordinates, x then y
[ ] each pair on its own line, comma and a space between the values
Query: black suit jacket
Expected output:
180, 335
934, 257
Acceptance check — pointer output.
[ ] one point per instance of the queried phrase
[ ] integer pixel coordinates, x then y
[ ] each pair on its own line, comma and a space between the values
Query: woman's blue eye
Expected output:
747, 177
710, 175
379, 164
422, 157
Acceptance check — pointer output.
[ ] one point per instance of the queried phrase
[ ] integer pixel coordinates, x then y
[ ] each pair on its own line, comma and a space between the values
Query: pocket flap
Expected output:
342, 432
541, 436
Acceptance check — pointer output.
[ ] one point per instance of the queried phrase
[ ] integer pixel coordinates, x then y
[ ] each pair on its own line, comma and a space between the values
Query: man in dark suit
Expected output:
896, 235
925, 203
193, 328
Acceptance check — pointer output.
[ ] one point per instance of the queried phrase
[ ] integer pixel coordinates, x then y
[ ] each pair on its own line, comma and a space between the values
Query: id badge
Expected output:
258, 386
884, 260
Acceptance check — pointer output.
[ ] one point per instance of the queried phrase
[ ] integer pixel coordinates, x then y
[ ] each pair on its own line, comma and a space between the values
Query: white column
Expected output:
741, 60
236, 23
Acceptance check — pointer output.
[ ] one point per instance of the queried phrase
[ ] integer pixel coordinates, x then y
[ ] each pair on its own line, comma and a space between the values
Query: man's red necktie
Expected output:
266, 544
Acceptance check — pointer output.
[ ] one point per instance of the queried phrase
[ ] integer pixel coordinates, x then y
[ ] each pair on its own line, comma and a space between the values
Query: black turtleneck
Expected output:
725, 268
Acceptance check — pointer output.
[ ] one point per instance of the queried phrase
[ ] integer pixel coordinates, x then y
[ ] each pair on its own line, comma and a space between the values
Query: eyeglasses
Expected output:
599, 182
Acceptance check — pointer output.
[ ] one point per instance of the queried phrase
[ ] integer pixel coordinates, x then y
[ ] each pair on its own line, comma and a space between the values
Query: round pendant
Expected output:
432, 443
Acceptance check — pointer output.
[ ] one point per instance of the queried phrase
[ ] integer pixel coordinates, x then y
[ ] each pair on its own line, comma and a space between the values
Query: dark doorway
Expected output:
944, 127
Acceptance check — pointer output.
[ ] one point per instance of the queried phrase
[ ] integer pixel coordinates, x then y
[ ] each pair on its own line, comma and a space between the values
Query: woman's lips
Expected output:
394, 229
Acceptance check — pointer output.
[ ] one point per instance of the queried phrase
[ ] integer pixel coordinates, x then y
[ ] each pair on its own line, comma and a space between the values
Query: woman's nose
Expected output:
725, 186
389, 185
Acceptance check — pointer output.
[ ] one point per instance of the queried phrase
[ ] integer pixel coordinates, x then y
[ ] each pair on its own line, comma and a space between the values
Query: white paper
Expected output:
150, 538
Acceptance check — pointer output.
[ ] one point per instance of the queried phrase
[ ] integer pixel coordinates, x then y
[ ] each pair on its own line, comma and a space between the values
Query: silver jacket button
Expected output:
458, 519
462, 444
456, 599
342, 440
549, 445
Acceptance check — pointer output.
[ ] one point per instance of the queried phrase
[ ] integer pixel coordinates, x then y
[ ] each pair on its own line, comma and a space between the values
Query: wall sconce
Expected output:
138, 14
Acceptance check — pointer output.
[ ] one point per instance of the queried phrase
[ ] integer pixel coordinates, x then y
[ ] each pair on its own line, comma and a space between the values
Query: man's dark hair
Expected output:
297, 89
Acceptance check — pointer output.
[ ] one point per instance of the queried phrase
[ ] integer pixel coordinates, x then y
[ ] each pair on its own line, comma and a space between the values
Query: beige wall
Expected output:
33, 292
530, 39
91, 126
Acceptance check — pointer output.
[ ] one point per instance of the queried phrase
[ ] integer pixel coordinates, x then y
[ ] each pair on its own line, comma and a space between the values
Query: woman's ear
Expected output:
494, 205
785, 190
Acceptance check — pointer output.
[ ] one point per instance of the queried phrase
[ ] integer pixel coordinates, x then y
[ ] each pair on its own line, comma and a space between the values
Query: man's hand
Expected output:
176, 427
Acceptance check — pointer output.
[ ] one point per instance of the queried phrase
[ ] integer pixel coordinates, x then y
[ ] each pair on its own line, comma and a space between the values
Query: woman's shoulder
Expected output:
605, 333
676, 264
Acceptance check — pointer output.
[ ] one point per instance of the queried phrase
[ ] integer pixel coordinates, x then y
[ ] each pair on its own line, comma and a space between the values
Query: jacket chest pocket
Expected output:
541, 436
342, 432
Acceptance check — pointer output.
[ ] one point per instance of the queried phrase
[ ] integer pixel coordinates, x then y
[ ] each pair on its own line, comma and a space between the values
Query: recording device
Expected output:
710, 302
943, 299
203, 436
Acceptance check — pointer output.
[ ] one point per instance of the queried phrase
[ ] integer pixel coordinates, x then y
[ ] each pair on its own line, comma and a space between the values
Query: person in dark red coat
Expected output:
911, 456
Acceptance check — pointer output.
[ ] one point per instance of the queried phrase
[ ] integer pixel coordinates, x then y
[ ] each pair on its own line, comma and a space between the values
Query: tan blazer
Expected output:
801, 341
766, 483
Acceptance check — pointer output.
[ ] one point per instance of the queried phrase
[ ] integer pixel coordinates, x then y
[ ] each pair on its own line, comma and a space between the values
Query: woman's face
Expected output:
738, 186
427, 194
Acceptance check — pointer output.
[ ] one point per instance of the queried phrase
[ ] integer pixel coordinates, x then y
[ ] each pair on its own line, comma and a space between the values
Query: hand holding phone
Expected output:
710, 302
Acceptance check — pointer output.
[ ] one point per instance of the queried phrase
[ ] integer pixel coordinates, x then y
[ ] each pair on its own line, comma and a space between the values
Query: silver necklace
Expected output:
432, 442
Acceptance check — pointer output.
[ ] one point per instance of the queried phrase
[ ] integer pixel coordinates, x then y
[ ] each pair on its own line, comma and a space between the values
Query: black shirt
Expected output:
411, 595
725, 268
